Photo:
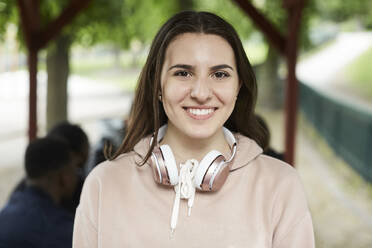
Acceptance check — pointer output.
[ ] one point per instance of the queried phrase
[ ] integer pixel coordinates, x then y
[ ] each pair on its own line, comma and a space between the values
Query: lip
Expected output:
200, 117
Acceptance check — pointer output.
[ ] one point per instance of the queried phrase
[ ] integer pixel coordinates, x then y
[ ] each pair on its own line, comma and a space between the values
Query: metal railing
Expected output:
346, 128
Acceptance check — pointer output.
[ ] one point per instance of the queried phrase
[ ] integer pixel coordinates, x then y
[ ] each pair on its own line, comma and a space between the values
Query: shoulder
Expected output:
289, 196
282, 176
275, 168
113, 174
280, 180
123, 163
15, 235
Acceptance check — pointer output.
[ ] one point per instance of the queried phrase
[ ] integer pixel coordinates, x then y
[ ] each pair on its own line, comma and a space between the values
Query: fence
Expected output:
346, 128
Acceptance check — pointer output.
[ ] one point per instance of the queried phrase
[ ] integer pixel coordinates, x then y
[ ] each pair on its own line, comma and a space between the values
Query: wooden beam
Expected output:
291, 102
37, 38
32, 117
273, 35
30, 19
288, 47
55, 27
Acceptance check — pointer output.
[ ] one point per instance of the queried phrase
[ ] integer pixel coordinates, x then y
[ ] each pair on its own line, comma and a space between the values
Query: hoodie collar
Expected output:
247, 150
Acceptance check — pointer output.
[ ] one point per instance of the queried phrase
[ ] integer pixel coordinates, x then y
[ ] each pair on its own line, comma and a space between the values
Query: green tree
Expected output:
339, 11
110, 21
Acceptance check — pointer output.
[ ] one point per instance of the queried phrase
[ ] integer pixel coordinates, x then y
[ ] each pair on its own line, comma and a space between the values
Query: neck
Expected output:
46, 187
185, 147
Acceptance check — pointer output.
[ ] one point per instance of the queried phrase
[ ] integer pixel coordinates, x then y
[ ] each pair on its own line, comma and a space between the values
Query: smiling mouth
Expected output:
200, 113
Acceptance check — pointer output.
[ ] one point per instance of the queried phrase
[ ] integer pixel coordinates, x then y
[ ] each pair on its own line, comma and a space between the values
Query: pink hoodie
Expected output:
262, 204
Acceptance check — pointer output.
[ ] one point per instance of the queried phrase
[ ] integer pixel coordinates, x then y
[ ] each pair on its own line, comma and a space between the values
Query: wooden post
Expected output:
288, 47
37, 38
291, 101
32, 119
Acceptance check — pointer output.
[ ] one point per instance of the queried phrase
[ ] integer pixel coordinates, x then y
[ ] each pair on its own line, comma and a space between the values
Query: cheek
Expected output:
174, 93
227, 95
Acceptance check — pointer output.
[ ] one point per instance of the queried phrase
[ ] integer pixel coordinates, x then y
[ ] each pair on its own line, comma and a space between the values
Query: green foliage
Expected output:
230, 12
115, 21
141, 19
8, 14
339, 10
122, 21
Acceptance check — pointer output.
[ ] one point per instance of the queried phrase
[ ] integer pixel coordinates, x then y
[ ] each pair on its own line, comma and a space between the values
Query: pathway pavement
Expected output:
322, 70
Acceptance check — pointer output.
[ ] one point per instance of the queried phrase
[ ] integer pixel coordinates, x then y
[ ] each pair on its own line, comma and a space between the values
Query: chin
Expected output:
201, 132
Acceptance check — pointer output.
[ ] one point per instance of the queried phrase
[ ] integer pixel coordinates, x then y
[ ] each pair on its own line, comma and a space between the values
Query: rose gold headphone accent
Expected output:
162, 167
154, 169
221, 177
208, 175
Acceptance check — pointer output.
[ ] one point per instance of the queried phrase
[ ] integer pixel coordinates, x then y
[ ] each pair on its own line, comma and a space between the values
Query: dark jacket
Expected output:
31, 219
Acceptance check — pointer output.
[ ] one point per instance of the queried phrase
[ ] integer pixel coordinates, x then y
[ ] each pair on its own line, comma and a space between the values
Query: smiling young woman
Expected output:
192, 127
199, 87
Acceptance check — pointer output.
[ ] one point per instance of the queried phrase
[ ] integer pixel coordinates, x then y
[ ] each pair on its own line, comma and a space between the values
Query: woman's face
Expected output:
199, 84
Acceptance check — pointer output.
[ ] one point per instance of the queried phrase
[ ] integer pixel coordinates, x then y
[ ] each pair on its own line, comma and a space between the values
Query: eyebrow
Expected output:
189, 67
223, 66
183, 66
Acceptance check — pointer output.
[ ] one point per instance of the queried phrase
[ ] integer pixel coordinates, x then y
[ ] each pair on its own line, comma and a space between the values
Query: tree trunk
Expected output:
270, 86
58, 70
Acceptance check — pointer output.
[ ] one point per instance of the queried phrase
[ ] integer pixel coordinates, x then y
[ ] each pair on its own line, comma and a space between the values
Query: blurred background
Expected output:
97, 58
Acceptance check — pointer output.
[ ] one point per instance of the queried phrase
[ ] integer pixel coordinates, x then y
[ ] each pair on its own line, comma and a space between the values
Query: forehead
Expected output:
197, 48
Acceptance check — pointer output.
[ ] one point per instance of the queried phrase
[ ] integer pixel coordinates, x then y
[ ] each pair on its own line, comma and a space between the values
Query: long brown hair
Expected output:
147, 113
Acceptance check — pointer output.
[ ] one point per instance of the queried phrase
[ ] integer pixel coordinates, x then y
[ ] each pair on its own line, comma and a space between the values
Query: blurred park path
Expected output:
323, 69
319, 68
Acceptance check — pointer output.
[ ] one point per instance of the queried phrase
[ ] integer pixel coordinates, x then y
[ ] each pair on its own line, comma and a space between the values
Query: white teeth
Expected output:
200, 111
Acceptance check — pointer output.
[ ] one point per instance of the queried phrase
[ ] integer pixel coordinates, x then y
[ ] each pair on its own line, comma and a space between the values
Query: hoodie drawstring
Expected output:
185, 189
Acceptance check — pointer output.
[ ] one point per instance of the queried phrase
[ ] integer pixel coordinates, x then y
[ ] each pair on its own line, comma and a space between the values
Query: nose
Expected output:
200, 90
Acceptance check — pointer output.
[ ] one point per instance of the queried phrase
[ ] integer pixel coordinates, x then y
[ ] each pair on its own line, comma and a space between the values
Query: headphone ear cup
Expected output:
156, 163
207, 170
219, 176
170, 164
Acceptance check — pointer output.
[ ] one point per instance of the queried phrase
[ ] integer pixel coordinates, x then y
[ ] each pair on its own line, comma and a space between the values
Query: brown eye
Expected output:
221, 75
182, 74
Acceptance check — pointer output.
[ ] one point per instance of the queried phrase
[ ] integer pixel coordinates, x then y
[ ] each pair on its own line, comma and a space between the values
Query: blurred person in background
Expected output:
78, 143
193, 135
33, 216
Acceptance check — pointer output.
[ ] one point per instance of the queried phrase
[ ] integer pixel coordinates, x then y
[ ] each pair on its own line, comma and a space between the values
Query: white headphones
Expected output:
211, 173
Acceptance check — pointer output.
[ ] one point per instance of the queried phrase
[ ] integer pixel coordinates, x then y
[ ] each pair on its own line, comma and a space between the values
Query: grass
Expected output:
359, 74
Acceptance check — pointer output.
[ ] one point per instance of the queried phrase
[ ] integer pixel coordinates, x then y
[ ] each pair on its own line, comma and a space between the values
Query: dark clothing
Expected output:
70, 204
31, 219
